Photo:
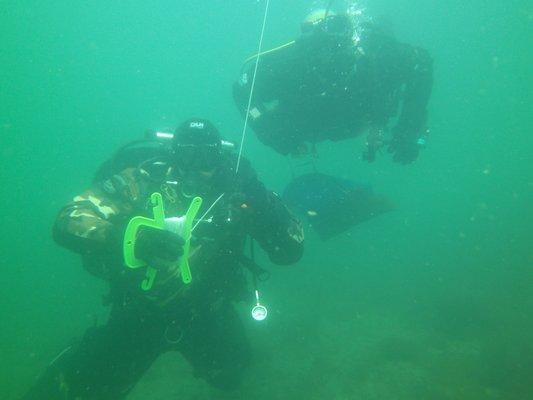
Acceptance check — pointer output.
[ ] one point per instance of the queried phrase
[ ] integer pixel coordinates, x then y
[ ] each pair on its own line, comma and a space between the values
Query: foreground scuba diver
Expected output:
342, 77
196, 319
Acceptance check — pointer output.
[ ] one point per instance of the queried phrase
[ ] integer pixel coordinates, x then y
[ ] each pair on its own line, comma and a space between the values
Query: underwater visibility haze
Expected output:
429, 299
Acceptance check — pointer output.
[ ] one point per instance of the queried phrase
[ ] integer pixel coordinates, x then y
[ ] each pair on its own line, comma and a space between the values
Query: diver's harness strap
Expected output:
259, 274
158, 222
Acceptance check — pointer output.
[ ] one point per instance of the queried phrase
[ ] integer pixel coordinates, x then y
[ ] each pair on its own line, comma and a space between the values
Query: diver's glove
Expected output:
157, 247
374, 142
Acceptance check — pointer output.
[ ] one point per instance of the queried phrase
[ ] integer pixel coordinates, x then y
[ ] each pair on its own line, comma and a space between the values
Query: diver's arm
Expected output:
278, 232
92, 224
419, 82
418, 74
271, 223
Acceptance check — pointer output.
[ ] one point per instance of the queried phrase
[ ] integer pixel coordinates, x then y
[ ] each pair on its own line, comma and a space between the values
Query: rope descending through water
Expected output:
252, 87
207, 212
247, 113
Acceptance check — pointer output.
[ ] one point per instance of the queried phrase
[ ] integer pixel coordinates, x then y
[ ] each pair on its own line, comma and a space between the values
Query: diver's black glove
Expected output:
405, 149
158, 247
374, 143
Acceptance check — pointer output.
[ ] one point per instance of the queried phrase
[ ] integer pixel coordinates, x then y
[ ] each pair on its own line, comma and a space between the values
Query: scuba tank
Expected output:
155, 150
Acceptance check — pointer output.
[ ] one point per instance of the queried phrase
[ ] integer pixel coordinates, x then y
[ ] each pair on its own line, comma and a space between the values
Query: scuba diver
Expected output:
341, 78
197, 319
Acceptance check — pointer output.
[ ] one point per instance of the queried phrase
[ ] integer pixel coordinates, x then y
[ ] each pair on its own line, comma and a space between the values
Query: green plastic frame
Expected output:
158, 222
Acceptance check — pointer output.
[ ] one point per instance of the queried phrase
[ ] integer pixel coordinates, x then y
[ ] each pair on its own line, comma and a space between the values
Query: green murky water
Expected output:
432, 301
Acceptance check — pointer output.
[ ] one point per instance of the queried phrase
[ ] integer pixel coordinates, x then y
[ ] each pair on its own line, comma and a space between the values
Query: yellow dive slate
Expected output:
158, 222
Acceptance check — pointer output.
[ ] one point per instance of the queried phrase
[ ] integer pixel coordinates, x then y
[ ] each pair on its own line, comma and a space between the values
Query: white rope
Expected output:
207, 211
247, 113
252, 87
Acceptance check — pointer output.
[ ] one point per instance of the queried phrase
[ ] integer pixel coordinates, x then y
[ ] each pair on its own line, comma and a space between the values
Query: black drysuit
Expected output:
330, 87
198, 319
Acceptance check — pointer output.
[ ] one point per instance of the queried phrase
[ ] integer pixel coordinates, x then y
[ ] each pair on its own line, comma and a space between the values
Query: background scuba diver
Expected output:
197, 319
340, 78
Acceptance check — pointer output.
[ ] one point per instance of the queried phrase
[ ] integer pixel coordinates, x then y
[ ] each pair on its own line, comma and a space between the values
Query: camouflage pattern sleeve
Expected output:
93, 222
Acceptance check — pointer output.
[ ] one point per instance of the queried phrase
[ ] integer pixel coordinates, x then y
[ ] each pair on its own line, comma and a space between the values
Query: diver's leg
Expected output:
217, 347
107, 362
